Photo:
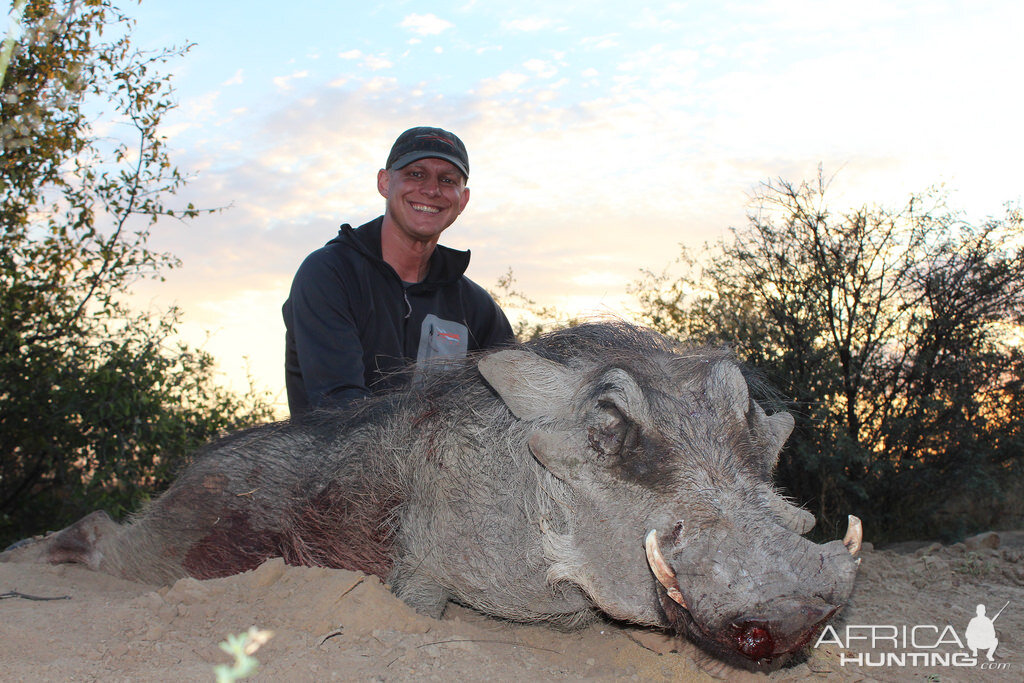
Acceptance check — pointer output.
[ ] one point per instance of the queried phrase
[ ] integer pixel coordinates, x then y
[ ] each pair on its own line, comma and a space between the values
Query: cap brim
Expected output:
406, 159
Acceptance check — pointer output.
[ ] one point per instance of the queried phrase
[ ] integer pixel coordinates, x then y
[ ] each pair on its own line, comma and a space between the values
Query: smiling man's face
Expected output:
423, 198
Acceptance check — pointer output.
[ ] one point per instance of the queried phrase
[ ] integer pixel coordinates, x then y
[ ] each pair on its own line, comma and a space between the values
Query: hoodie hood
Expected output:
447, 265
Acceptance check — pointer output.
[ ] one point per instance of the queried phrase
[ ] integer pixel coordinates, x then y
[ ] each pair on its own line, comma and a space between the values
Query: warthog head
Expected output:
670, 517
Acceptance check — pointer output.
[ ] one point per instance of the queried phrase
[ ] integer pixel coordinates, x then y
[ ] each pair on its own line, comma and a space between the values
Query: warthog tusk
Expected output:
854, 535
666, 577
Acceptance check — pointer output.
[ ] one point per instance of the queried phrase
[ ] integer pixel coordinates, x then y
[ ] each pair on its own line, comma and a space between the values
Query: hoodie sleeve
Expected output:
498, 332
324, 354
488, 324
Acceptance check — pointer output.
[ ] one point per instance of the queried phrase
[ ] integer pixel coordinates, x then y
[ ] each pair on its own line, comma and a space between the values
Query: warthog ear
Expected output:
725, 383
781, 425
774, 431
530, 386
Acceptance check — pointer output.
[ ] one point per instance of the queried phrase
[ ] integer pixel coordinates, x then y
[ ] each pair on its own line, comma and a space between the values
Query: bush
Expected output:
895, 339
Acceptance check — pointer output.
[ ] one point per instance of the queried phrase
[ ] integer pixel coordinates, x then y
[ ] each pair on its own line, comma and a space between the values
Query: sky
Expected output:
601, 135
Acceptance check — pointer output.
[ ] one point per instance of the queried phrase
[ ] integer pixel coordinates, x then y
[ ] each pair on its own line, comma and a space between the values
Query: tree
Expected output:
529, 319
890, 334
97, 403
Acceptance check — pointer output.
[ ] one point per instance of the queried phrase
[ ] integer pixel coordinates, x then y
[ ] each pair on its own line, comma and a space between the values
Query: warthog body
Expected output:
523, 484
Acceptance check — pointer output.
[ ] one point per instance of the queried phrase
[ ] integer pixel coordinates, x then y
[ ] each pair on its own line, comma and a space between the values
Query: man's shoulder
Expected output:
347, 250
474, 290
333, 257
480, 302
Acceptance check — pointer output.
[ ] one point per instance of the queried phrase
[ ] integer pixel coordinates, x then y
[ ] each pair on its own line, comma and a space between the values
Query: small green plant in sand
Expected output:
242, 647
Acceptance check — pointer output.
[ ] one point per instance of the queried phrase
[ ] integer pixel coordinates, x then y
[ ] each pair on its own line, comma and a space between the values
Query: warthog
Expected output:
598, 470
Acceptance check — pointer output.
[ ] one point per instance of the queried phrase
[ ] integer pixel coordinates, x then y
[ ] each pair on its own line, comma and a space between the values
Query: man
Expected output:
381, 295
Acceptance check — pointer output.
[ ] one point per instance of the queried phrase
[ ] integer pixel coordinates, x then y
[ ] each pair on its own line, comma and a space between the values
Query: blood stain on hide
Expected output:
231, 547
342, 529
336, 529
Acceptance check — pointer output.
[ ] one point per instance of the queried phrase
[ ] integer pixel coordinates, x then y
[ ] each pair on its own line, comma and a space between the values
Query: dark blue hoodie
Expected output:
352, 325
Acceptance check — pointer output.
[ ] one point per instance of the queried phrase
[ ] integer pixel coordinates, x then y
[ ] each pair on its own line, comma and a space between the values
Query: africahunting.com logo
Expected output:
920, 645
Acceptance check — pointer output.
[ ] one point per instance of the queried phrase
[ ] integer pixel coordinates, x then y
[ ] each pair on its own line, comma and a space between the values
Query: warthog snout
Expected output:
785, 618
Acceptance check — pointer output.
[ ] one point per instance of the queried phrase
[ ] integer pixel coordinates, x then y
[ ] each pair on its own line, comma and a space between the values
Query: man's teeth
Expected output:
425, 209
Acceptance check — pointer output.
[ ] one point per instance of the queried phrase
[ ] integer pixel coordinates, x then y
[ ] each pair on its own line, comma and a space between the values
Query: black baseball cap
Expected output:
428, 143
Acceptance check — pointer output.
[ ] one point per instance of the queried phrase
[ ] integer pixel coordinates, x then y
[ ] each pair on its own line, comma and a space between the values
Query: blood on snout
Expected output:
754, 641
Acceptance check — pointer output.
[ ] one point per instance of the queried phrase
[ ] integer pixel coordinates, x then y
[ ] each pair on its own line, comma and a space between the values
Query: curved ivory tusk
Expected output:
854, 535
666, 577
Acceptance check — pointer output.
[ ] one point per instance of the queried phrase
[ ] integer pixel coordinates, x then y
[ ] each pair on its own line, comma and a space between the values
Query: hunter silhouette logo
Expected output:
981, 632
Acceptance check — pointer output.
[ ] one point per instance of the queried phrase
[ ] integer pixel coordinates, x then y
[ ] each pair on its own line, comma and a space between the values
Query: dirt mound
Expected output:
333, 624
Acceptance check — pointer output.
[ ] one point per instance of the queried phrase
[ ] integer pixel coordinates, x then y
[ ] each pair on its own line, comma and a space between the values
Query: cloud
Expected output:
540, 67
649, 20
510, 81
371, 62
425, 24
381, 83
192, 114
236, 79
528, 24
374, 63
285, 82
605, 42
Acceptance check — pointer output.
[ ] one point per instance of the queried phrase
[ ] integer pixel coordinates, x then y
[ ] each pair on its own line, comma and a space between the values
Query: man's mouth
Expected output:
423, 208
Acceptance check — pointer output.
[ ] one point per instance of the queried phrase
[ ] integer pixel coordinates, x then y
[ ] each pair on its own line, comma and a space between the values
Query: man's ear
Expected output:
465, 199
383, 182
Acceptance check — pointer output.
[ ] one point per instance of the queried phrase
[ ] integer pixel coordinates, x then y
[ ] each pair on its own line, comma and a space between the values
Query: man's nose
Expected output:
431, 187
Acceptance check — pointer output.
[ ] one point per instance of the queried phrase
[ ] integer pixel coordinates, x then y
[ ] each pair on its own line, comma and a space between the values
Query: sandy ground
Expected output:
339, 625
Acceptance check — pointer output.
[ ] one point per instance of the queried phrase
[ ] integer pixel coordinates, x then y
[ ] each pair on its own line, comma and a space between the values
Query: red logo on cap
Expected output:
438, 138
